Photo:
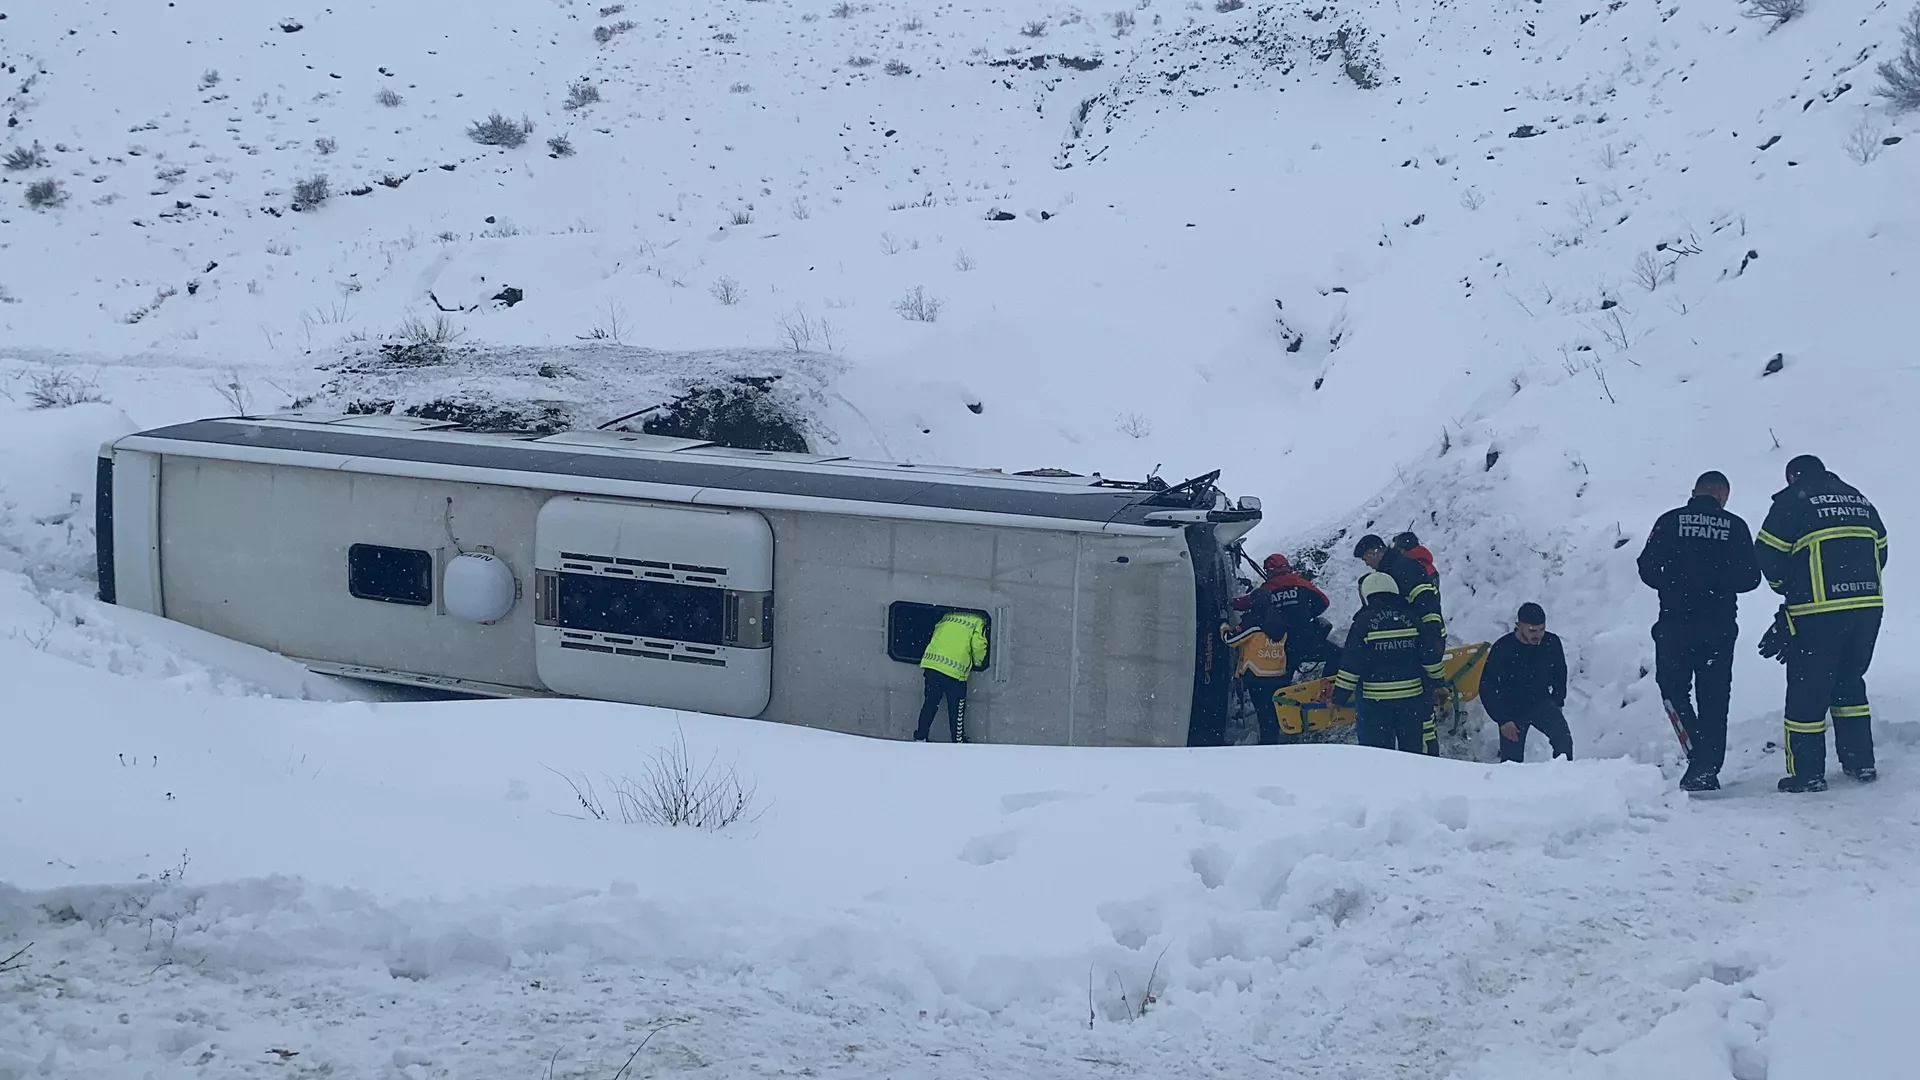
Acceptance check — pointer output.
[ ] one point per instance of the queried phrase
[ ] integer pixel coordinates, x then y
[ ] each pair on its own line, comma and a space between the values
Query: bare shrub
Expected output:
1224, 6
740, 88
209, 78
312, 193
60, 390
671, 789
1122, 23
1902, 73
1650, 272
801, 332
740, 217
235, 392
725, 37
918, 306
1865, 142
1034, 29
325, 145
582, 94
439, 331
844, 10
963, 262
560, 146
604, 34
859, 61
1780, 11
497, 130
914, 24
1134, 425
22, 158
897, 67
799, 210
612, 328
16, 961
611, 10
389, 97
46, 194
726, 290
1472, 199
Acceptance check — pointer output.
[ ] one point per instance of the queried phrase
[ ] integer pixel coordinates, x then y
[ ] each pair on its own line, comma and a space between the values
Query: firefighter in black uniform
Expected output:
1386, 664
1823, 547
1699, 558
1416, 586
1422, 594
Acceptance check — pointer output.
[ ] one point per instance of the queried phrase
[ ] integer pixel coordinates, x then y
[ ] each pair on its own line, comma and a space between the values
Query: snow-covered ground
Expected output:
412, 891
1515, 296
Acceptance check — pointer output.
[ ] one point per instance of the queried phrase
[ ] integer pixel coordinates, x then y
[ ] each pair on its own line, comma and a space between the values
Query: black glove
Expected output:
1778, 639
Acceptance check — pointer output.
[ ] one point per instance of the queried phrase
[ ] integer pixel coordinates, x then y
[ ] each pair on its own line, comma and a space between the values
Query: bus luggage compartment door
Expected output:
654, 604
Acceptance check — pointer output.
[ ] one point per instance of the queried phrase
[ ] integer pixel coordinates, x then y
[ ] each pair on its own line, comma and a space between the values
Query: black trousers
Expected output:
1693, 665
1394, 725
1545, 718
954, 691
1827, 672
1261, 690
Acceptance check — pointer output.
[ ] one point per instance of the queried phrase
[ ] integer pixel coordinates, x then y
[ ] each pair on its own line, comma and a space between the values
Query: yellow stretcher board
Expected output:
1308, 706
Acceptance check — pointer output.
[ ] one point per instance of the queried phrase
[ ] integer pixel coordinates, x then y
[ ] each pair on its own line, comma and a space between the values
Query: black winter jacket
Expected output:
1422, 595
1699, 557
1823, 547
1520, 678
1385, 658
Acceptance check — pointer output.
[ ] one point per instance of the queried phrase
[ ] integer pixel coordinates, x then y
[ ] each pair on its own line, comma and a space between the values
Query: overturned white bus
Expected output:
662, 571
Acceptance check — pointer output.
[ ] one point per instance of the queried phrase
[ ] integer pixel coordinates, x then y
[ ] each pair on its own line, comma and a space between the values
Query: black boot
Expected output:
1866, 774
1700, 782
1794, 785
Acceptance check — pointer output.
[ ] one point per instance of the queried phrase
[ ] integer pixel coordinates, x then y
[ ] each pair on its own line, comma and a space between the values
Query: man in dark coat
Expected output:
1525, 686
1699, 557
1823, 547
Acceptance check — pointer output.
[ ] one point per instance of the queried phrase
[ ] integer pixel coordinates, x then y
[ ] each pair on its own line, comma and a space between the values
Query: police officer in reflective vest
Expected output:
1699, 558
1388, 665
1823, 547
957, 650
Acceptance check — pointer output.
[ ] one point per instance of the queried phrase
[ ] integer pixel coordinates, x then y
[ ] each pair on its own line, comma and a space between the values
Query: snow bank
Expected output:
1257, 895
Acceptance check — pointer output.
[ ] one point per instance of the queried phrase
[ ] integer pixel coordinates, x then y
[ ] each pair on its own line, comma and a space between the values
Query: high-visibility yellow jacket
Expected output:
1260, 655
959, 645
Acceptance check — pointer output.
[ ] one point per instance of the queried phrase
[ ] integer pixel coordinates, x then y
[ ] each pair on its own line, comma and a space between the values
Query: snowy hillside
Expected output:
1507, 273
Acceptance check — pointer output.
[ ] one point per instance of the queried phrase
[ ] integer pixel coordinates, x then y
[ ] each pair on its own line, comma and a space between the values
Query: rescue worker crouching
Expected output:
1262, 671
957, 650
1389, 667
1823, 547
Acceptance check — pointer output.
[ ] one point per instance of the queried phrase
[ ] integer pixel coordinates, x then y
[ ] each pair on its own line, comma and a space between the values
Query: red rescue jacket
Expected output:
1419, 553
1289, 580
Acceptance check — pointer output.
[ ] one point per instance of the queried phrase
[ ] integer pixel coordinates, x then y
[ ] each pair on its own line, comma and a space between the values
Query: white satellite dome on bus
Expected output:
478, 587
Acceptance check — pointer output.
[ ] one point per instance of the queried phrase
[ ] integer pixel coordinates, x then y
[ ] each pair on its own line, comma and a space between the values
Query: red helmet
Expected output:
1276, 564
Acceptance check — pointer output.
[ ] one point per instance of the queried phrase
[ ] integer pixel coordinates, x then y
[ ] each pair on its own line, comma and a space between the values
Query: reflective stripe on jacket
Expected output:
1385, 658
959, 645
1260, 656
1823, 547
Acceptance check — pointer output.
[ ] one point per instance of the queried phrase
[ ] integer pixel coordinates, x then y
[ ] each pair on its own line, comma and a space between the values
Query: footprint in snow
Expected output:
987, 850
1027, 800
1211, 864
1207, 807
